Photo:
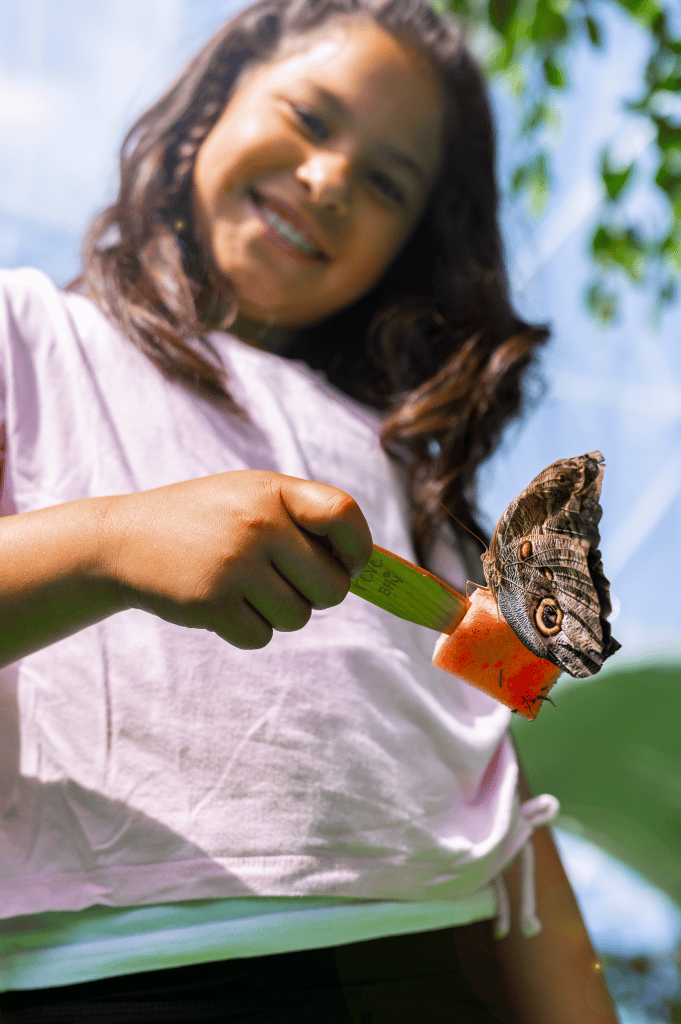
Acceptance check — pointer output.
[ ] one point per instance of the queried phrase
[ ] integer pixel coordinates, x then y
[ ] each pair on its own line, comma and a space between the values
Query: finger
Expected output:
238, 623
327, 511
311, 569
279, 603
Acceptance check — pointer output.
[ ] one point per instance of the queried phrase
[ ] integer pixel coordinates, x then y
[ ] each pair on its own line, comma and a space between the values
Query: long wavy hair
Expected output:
435, 345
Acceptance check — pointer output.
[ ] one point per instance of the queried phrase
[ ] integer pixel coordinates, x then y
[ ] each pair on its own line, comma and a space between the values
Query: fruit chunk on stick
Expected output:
486, 652
476, 643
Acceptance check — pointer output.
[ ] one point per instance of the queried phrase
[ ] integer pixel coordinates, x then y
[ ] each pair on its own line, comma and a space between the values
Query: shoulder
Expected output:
25, 289
35, 311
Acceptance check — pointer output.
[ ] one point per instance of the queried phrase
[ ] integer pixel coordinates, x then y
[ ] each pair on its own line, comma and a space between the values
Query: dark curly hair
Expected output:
435, 345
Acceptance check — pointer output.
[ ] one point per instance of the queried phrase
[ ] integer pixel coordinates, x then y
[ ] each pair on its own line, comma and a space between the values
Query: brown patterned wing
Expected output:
545, 571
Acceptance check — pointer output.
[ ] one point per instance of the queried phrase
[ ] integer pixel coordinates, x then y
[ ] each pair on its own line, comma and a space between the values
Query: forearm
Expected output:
554, 976
231, 553
53, 581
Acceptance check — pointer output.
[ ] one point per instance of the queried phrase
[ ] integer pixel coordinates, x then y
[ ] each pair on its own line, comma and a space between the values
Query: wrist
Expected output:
112, 522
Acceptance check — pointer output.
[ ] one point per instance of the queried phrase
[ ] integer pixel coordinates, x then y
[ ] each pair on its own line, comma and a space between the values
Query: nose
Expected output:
326, 177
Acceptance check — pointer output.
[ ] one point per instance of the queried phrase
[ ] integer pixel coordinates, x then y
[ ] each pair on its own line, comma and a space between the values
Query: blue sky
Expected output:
74, 75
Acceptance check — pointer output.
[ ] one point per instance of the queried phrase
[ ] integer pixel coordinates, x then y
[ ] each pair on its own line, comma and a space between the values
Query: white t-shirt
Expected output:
159, 763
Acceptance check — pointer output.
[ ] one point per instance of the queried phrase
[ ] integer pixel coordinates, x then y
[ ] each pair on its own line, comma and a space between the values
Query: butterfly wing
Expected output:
545, 569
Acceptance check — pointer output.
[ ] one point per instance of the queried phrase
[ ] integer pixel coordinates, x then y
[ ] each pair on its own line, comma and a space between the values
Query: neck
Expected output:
269, 337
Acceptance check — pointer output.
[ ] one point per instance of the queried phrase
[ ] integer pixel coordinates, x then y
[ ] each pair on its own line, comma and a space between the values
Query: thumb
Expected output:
331, 514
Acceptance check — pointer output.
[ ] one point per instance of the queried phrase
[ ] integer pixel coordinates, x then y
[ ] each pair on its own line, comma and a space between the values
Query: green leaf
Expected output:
671, 184
661, 67
520, 177
622, 248
671, 248
668, 290
668, 134
532, 177
601, 304
501, 12
554, 74
529, 45
538, 115
647, 12
673, 160
503, 59
672, 83
614, 179
548, 24
595, 32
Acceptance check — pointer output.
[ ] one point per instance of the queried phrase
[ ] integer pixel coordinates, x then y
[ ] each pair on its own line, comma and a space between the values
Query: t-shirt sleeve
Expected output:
29, 301
25, 298
4, 341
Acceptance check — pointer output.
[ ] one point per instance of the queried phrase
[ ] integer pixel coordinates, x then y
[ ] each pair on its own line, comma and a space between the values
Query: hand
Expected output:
236, 553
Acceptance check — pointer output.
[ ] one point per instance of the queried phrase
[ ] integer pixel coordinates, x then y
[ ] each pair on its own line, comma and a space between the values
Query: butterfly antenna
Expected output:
464, 527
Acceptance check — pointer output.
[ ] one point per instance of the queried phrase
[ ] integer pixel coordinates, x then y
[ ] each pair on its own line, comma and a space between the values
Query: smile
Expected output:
285, 229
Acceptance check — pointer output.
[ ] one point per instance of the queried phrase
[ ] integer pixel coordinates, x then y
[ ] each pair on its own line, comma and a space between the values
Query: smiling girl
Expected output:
243, 796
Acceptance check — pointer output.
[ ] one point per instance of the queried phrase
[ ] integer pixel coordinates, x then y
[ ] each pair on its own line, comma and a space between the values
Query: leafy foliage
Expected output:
528, 44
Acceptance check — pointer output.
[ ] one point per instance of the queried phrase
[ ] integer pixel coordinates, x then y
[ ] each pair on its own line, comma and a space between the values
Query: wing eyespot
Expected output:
548, 616
525, 550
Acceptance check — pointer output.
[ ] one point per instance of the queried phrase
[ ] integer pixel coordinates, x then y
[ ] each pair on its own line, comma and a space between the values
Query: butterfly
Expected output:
544, 568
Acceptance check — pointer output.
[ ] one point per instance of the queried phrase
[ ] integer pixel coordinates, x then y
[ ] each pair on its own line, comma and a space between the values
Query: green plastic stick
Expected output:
412, 593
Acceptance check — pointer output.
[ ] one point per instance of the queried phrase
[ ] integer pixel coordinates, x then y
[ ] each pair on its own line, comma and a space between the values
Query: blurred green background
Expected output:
610, 751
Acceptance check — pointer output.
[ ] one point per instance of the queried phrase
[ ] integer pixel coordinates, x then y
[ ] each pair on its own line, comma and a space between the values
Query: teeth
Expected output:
288, 232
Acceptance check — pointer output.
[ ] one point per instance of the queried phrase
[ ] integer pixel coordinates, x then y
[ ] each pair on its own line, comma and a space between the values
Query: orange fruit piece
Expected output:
484, 651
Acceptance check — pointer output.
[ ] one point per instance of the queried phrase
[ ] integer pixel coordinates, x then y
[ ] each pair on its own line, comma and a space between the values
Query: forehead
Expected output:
388, 84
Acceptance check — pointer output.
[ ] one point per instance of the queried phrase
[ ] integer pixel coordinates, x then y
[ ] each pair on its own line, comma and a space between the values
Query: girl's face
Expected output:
317, 170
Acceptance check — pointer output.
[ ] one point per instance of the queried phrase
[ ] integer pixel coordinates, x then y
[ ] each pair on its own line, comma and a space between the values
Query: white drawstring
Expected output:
536, 811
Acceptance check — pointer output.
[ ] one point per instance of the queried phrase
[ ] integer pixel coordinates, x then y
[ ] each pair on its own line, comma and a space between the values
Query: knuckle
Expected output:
340, 504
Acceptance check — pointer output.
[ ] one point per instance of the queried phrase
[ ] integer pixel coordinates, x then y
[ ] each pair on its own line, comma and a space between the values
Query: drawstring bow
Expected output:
537, 811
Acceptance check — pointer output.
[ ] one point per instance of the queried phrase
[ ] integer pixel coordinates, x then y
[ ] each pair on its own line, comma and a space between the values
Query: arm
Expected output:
231, 553
554, 976
52, 581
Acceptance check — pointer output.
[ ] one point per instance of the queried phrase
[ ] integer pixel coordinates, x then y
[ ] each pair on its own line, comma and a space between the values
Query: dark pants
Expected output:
404, 979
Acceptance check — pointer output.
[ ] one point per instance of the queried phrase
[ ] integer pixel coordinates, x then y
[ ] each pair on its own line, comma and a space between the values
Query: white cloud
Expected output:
27, 102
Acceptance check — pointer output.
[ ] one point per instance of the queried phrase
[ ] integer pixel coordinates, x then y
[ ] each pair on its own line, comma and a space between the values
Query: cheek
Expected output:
239, 148
376, 242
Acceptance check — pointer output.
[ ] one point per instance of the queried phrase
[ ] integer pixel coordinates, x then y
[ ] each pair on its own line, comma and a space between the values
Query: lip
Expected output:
296, 219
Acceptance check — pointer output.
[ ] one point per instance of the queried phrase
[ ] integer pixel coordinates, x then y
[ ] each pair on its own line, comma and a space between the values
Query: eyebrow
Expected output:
392, 153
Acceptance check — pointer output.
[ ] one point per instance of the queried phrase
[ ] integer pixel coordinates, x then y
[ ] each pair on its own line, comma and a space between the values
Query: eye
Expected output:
386, 186
312, 123
548, 616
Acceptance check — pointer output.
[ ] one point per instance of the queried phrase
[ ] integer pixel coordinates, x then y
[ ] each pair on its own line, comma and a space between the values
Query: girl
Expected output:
242, 797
